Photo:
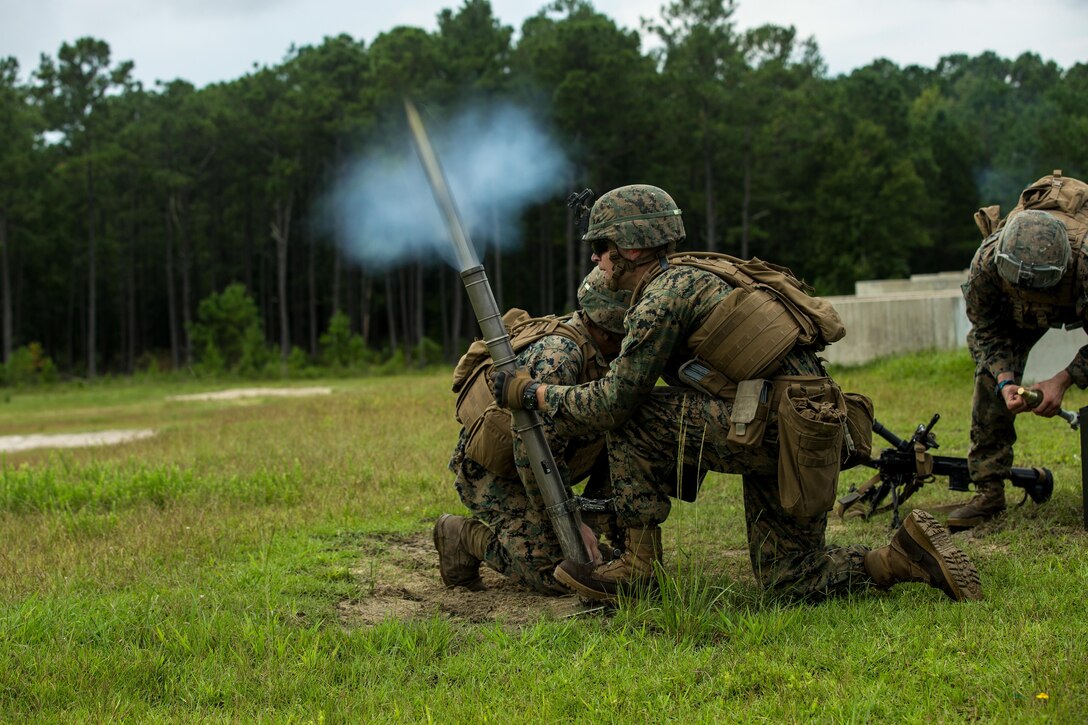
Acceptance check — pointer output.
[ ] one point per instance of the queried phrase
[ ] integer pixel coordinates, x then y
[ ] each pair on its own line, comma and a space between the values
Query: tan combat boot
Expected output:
987, 504
631, 572
922, 551
461, 545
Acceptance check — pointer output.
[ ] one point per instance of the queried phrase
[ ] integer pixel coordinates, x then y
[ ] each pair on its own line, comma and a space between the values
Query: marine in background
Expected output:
1029, 275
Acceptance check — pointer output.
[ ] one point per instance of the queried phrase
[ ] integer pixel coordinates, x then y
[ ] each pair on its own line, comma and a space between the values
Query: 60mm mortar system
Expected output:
561, 507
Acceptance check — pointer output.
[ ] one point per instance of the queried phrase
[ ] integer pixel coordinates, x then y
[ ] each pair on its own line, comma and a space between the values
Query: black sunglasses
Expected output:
599, 246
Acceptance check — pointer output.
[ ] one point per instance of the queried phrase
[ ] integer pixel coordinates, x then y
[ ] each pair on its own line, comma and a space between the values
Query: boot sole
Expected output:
958, 571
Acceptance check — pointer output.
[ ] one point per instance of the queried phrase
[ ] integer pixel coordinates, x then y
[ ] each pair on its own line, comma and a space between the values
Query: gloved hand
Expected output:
516, 391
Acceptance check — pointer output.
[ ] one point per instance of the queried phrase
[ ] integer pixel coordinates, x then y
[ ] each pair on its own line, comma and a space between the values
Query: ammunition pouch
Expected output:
704, 378
751, 410
811, 426
858, 442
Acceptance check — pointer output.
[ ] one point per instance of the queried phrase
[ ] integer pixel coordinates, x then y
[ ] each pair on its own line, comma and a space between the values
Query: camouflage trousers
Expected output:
993, 433
525, 548
679, 427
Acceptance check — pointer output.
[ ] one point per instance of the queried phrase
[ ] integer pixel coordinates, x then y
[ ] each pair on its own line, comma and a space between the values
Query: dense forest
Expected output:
137, 225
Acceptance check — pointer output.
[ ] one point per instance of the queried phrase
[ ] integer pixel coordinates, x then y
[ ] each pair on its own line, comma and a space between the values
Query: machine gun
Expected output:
908, 466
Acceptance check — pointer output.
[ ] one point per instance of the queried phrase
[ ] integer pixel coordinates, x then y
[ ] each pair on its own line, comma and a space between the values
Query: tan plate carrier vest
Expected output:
754, 328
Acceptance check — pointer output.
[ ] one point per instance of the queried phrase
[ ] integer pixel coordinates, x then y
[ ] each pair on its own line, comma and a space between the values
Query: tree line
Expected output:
124, 209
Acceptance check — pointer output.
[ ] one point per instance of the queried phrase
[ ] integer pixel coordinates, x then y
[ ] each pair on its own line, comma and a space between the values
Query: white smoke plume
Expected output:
497, 159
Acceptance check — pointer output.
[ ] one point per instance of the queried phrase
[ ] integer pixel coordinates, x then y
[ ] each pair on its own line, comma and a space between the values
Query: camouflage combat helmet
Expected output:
604, 306
1033, 250
638, 216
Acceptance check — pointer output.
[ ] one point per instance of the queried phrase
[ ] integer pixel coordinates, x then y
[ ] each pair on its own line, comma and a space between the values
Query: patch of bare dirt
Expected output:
401, 581
238, 393
10, 444
400, 576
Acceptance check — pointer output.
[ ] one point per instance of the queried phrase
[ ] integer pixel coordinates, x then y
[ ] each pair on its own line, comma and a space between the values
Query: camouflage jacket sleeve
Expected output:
1078, 368
992, 340
657, 328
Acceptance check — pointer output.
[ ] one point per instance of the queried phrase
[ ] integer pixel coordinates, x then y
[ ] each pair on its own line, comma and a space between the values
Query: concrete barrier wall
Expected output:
917, 283
927, 312
885, 325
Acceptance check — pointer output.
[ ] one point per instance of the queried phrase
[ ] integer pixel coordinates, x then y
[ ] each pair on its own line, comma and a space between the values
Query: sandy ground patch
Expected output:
401, 581
236, 393
9, 444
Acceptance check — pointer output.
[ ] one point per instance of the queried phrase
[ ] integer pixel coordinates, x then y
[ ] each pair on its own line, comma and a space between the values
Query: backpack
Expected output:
1064, 197
489, 438
769, 305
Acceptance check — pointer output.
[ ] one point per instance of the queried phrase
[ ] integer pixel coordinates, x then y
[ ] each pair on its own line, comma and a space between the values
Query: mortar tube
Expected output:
561, 507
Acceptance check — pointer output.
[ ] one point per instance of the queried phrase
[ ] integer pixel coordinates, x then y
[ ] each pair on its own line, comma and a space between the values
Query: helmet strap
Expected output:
622, 266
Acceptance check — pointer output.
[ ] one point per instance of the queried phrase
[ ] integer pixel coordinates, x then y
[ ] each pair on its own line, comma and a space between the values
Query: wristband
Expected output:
1002, 384
528, 396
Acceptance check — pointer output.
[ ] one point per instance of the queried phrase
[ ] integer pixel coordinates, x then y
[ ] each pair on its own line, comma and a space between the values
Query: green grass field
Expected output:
211, 573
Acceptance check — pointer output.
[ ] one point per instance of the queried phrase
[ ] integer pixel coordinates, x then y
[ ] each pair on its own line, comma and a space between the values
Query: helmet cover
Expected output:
1033, 250
638, 216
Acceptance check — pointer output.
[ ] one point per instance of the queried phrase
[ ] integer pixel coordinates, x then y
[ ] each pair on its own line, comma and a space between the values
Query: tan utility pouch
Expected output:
858, 445
811, 419
751, 407
474, 397
747, 335
491, 441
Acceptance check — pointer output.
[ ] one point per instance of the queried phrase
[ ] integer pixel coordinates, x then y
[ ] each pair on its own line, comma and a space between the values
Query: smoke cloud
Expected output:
497, 159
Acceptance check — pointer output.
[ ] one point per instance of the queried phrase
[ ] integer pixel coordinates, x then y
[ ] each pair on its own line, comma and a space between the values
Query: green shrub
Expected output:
298, 363
228, 333
339, 346
28, 365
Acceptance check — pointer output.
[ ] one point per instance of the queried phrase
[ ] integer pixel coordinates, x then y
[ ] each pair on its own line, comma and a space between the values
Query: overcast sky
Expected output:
204, 41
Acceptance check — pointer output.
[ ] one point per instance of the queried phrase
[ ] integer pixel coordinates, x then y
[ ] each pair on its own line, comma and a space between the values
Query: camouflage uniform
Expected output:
525, 547
788, 554
1003, 332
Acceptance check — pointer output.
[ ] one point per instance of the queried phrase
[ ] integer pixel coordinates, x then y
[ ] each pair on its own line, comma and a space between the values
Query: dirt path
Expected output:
236, 393
10, 444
